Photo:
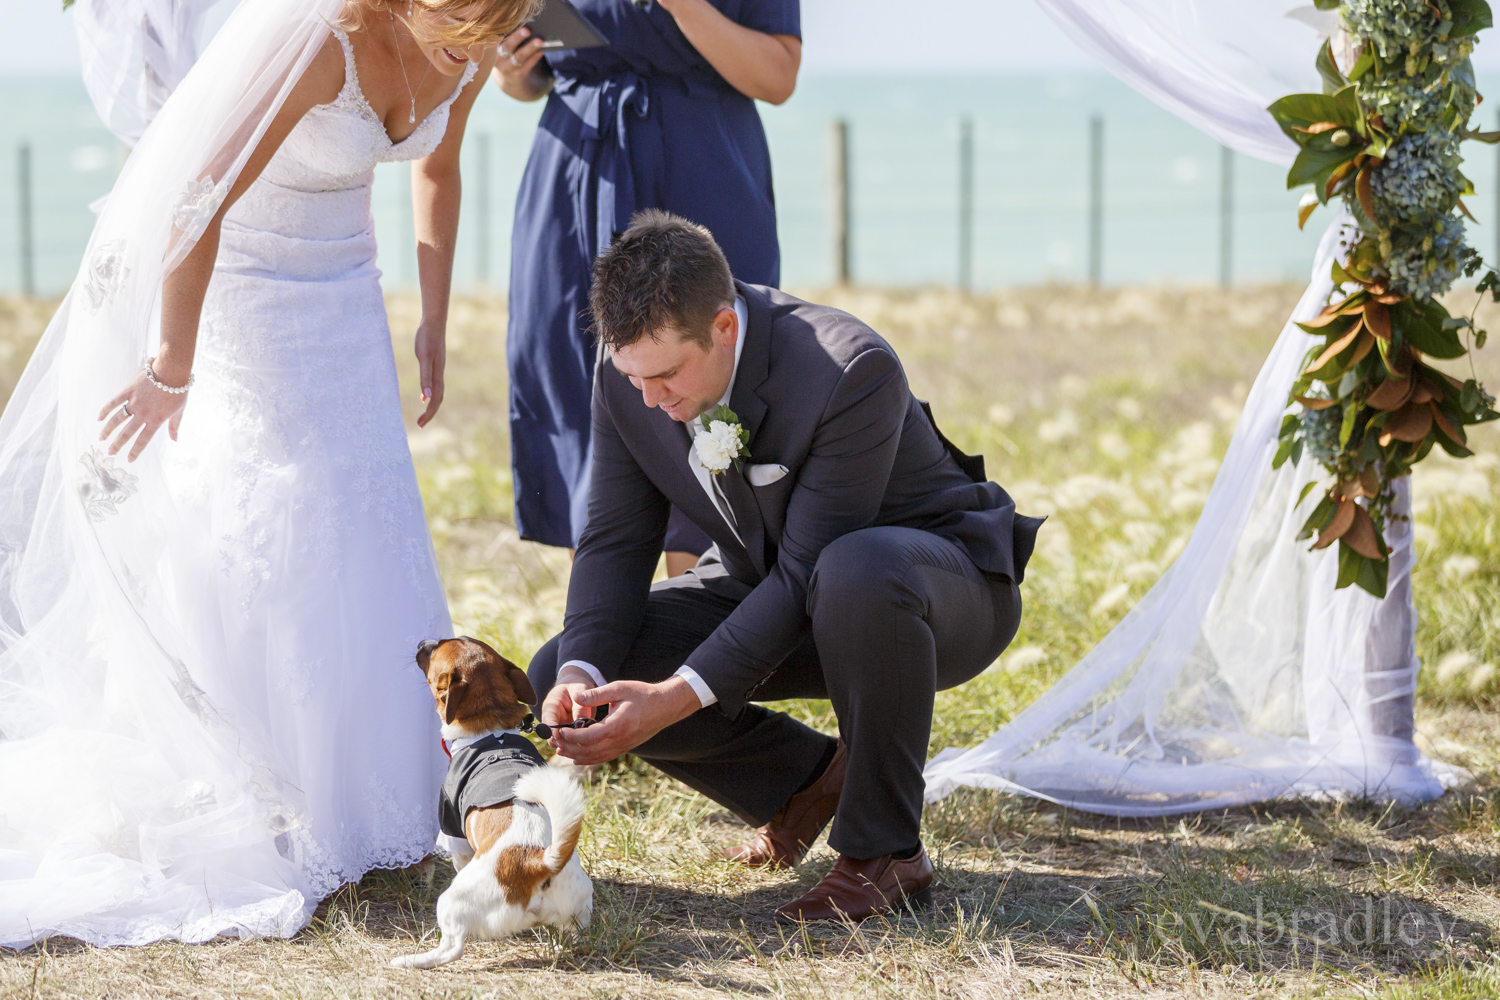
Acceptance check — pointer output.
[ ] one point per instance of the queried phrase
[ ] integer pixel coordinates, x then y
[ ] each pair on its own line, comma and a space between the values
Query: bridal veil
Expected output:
132, 805
1242, 675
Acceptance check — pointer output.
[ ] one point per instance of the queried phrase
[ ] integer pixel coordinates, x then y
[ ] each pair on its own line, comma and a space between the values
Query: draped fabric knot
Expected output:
606, 108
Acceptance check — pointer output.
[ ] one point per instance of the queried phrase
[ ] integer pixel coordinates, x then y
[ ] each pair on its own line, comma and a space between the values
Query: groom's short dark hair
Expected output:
662, 273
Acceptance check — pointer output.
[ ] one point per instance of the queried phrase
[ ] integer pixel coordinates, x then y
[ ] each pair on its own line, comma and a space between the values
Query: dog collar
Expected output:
451, 747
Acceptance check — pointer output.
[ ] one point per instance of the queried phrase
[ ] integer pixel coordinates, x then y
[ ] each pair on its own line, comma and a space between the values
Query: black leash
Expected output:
531, 725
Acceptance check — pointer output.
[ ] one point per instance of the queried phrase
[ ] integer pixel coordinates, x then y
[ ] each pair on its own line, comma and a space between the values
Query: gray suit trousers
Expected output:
897, 615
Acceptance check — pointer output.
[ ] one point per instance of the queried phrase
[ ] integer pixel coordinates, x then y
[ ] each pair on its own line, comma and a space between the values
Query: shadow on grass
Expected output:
1200, 908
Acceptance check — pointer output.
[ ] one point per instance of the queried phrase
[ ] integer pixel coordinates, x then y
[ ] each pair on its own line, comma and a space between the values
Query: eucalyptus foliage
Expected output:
1384, 137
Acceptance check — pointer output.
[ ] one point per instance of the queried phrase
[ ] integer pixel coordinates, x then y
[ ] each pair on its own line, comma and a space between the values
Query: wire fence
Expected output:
969, 183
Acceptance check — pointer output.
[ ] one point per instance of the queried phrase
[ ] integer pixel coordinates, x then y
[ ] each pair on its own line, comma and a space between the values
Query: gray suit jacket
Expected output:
822, 394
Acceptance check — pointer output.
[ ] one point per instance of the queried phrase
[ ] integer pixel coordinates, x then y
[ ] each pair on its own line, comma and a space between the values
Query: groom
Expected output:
858, 557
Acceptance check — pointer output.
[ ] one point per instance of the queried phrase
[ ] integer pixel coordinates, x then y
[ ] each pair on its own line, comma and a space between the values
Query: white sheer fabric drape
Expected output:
134, 54
1216, 64
170, 807
1242, 675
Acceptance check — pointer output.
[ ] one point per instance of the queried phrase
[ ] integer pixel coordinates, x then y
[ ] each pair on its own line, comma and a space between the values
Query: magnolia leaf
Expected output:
1305, 491
1318, 128
1377, 319
1362, 191
1335, 177
1317, 519
1314, 403
1398, 360
1305, 208
1391, 394
1362, 348
1410, 423
1346, 426
1369, 479
1469, 17
1363, 64
1422, 326
1337, 526
1322, 319
1328, 69
1452, 448
1283, 452
1362, 536
1423, 391
1336, 348
1303, 110
1314, 166
1468, 214
1349, 567
1452, 432
1470, 397
1369, 575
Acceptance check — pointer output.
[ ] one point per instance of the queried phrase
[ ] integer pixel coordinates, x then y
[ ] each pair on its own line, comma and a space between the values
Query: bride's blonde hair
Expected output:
475, 22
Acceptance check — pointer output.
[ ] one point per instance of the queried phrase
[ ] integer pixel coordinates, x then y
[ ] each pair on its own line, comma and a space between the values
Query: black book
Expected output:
562, 27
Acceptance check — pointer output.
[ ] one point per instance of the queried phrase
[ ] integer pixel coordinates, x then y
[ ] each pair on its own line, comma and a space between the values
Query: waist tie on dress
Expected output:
605, 108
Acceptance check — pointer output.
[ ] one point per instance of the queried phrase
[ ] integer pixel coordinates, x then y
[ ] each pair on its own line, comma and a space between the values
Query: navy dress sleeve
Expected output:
774, 17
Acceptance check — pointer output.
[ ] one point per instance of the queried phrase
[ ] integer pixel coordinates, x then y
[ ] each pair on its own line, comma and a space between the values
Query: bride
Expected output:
209, 714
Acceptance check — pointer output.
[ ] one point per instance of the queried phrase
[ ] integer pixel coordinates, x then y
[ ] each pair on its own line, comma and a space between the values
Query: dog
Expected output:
516, 864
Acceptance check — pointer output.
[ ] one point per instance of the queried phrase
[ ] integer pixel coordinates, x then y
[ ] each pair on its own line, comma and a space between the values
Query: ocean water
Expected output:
1162, 185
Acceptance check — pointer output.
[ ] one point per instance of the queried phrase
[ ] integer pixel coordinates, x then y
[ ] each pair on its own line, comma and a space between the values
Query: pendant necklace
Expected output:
411, 119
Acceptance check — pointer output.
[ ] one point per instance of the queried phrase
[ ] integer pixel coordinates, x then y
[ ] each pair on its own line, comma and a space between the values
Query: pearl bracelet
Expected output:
174, 390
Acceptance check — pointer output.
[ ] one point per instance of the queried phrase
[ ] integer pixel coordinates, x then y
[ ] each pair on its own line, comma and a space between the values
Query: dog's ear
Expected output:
458, 693
525, 693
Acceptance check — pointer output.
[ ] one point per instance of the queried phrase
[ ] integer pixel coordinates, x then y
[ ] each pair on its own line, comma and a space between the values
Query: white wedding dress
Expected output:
212, 717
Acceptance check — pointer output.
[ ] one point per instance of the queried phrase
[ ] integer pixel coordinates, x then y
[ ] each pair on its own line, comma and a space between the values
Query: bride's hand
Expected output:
432, 356
143, 408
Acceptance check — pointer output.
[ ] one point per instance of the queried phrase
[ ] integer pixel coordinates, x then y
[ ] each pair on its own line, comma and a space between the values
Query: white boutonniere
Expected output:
722, 441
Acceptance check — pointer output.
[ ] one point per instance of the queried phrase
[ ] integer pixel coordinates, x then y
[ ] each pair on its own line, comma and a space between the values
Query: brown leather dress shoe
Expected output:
784, 841
856, 889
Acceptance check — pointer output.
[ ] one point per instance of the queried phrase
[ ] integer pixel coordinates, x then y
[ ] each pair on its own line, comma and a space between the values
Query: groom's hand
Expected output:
561, 706
637, 712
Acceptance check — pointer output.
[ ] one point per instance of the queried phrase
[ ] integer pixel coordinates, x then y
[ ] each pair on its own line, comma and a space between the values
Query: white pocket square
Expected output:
765, 475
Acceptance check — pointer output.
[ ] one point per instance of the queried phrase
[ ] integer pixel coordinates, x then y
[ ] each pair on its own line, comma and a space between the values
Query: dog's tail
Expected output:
555, 790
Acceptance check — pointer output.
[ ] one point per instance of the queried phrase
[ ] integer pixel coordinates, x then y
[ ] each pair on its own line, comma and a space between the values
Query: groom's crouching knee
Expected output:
858, 574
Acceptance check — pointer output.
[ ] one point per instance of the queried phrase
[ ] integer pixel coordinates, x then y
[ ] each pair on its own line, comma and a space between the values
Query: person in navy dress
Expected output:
664, 117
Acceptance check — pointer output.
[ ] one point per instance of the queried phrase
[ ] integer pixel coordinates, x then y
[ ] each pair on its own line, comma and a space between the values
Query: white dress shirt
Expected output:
706, 696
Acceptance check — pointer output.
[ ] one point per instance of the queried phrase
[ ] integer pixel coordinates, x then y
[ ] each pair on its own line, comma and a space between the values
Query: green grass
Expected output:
1107, 411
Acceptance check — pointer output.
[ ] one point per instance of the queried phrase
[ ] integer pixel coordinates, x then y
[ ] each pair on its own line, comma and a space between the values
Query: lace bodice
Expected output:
308, 214
337, 145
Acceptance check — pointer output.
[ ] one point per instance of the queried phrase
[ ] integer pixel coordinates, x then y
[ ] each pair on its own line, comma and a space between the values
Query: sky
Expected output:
840, 36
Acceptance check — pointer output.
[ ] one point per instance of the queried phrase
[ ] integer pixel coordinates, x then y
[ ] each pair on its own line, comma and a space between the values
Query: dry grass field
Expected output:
1107, 410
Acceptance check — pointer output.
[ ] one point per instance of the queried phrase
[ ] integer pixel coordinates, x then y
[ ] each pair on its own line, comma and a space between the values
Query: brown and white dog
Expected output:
520, 869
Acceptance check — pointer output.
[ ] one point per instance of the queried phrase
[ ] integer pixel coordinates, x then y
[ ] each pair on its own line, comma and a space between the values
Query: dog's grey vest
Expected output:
484, 774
